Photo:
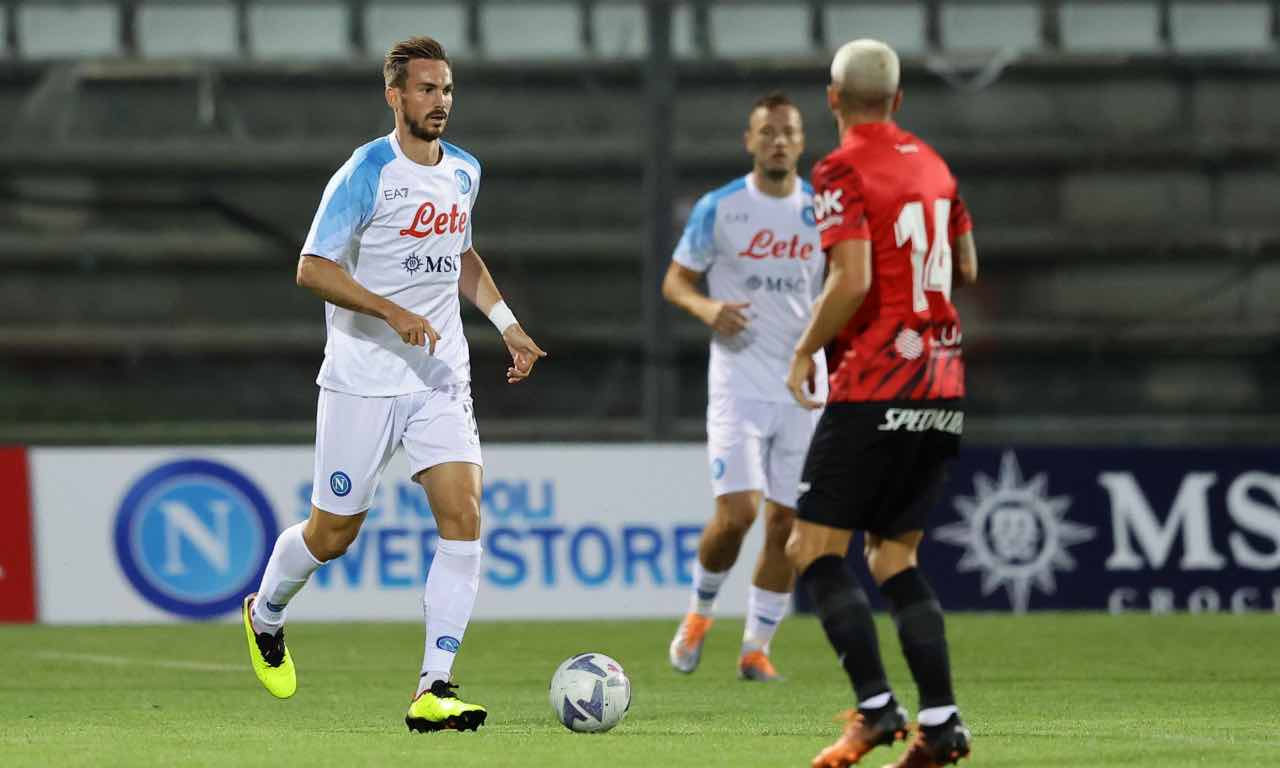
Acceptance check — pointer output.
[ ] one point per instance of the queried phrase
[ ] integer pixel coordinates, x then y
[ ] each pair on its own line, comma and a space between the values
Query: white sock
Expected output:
936, 715
877, 701
452, 584
765, 610
706, 585
290, 566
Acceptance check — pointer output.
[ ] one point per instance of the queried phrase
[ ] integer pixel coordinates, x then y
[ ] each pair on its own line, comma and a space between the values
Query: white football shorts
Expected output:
757, 445
356, 437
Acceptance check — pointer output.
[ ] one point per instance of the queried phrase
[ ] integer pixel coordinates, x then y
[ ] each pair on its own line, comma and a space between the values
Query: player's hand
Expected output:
413, 329
727, 318
800, 376
524, 353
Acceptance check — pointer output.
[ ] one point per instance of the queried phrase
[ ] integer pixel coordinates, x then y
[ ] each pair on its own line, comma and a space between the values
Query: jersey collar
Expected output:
879, 129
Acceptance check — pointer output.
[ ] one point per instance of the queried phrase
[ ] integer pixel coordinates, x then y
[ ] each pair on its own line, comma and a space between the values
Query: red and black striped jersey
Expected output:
885, 185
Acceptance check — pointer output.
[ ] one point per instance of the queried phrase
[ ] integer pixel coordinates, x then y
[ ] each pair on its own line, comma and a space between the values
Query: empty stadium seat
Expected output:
531, 30
296, 30
901, 25
1120, 27
761, 29
1218, 27
387, 23
970, 26
187, 29
620, 30
66, 31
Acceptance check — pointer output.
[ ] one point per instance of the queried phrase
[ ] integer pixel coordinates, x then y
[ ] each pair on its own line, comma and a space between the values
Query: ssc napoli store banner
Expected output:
611, 531
170, 534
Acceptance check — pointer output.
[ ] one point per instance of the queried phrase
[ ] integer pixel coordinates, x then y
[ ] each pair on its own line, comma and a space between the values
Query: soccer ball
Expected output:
590, 693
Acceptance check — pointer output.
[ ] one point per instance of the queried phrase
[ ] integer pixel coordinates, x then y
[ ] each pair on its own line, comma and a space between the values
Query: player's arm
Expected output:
476, 284
848, 282
328, 280
680, 287
966, 255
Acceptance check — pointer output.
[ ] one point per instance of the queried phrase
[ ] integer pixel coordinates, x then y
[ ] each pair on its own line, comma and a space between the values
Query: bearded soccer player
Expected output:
891, 220
390, 251
756, 242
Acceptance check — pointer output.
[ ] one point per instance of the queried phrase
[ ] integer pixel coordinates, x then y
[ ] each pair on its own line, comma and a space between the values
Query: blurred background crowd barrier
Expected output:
161, 162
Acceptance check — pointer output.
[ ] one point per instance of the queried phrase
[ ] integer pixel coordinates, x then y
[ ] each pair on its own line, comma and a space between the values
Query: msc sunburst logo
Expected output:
1015, 533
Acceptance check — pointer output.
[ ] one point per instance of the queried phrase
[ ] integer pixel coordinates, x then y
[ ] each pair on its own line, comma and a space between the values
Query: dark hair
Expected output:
396, 64
773, 100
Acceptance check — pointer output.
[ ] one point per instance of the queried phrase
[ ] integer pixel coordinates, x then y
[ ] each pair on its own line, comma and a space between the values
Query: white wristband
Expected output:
502, 317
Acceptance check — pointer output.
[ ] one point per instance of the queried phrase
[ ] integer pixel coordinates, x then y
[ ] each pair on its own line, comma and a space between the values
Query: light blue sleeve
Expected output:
347, 205
697, 247
475, 193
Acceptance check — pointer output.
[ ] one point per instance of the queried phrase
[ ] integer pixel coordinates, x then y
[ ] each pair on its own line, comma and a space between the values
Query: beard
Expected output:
423, 130
776, 174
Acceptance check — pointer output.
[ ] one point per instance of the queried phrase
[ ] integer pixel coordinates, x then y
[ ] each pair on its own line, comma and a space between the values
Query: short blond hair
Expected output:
866, 72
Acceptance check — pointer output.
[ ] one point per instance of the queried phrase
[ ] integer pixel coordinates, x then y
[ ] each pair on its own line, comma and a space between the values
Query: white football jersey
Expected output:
399, 228
764, 250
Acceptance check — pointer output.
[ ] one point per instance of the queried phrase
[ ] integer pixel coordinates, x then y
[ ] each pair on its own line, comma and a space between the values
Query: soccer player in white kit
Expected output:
756, 241
390, 251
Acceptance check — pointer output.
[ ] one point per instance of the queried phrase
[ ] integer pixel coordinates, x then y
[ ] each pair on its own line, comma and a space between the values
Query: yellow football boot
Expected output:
440, 709
269, 657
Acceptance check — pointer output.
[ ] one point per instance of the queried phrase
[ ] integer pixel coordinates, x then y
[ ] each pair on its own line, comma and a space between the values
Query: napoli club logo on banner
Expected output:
193, 537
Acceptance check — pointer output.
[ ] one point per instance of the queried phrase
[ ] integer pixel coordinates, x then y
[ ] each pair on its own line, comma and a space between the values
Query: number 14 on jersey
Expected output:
933, 273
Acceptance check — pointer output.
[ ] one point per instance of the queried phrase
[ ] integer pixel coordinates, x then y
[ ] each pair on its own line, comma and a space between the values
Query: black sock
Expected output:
917, 613
846, 618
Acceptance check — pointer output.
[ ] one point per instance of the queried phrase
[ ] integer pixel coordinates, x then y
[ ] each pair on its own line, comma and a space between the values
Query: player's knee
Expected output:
777, 528
460, 522
331, 543
799, 550
735, 517
885, 563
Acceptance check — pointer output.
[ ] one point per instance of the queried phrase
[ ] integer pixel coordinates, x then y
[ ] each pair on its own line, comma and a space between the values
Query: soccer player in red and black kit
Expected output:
890, 221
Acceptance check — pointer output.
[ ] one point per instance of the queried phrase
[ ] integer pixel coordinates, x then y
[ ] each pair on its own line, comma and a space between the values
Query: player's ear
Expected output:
833, 98
897, 102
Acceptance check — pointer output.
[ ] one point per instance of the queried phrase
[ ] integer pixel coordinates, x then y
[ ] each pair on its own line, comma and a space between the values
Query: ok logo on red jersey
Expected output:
765, 245
427, 222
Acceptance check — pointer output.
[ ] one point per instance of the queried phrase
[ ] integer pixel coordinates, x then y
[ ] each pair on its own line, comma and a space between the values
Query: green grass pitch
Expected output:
1039, 690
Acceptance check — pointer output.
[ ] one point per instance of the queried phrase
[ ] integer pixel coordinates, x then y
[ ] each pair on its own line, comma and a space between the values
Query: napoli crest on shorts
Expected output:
808, 216
464, 181
340, 484
193, 537
717, 469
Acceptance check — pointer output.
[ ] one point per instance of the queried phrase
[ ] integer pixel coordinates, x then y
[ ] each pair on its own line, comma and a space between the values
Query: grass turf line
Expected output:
1038, 690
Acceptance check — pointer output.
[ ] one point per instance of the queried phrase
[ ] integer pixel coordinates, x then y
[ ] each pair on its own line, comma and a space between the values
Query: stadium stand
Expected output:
290, 30
1116, 27
149, 226
164, 30
979, 26
761, 30
386, 21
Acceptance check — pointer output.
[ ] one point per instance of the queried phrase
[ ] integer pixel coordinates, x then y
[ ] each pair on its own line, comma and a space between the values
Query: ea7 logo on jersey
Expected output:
427, 222
828, 207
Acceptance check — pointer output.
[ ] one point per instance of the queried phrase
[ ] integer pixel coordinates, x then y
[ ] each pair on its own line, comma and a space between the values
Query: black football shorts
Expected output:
879, 466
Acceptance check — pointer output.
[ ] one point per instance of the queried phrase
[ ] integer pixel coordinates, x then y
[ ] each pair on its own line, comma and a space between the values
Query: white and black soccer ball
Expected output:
590, 693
